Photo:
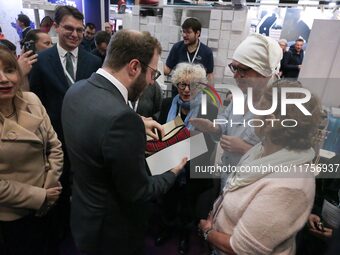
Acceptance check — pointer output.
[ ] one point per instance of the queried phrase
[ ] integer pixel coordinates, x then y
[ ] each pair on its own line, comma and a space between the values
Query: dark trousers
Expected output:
26, 236
140, 250
178, 209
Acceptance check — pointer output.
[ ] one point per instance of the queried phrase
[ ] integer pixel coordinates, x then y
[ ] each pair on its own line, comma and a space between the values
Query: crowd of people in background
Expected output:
292, 58
74, 115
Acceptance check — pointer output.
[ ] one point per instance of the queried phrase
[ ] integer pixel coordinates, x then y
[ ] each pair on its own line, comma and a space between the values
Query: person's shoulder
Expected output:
287, 52
32, 101
95, 51
30, 98
89, 55
304, 182
205, 48
178, 45
47, 52
125, 116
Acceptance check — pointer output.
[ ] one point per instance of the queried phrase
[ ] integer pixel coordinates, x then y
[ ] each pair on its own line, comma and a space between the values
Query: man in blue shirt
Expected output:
191, 49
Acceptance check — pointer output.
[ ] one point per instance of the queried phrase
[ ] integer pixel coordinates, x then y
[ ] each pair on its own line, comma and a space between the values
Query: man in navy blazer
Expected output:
56, 70
106, 143
48, 77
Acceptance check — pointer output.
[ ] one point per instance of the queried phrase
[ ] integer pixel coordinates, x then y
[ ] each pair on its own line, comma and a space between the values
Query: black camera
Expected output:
30, 45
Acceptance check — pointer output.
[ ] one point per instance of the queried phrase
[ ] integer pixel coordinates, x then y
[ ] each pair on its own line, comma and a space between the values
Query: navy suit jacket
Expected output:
105, 141
48, 81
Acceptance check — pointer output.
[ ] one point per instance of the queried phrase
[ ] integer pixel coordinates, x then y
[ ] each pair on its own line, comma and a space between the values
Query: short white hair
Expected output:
283, 41
189, 72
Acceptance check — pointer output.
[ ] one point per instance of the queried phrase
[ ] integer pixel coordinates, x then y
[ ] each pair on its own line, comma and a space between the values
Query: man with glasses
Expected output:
88, 40
56, 70
255, 63
191, 49
106, 143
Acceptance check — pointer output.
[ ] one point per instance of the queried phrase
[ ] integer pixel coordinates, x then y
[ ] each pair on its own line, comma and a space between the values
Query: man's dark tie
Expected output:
69, 67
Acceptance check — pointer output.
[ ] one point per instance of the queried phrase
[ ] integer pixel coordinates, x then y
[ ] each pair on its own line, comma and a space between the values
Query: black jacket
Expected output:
48, 81
290, 62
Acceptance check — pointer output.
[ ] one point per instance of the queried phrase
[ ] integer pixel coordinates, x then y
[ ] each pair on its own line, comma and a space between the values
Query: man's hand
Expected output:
234, 144
204, 125
26, 60
313, 221
150, 126
325, 234
204, 225
177, 169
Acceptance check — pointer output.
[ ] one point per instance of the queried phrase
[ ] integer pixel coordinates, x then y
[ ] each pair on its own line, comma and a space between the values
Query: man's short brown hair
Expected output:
63, 11
126, 45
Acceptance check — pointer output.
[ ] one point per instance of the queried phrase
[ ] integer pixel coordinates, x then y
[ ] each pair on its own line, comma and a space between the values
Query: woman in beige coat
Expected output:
31, 162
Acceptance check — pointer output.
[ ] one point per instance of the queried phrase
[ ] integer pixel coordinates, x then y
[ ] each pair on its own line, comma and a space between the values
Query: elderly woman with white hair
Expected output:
283, 45
180, 202
255, 64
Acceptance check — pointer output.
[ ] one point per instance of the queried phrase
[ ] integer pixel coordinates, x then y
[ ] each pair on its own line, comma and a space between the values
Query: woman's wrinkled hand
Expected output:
204, 125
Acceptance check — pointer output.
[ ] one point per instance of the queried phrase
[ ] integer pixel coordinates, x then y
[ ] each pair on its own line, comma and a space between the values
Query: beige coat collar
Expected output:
27, 125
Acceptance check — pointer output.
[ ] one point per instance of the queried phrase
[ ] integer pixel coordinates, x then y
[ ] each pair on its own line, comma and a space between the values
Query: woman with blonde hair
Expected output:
31, 162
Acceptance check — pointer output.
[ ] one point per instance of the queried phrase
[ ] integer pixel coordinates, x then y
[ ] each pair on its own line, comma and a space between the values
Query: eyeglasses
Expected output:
240, 70
155, 73
191, 85
187, 31
182, 85
70, 29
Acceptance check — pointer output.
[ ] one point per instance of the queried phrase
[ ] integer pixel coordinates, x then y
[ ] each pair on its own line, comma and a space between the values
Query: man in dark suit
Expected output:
106, 142
56, 70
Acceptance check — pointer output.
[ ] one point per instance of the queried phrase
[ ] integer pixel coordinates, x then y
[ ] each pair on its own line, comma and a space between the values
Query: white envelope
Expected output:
171, 156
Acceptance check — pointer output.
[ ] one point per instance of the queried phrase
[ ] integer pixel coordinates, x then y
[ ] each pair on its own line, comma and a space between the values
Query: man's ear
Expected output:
199, 33
134, 67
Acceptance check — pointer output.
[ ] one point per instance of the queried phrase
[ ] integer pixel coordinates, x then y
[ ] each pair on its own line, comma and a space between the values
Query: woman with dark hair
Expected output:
31, 162
262, 207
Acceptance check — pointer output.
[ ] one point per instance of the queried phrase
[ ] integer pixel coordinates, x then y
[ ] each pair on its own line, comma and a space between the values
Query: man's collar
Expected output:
62, 52
122, 89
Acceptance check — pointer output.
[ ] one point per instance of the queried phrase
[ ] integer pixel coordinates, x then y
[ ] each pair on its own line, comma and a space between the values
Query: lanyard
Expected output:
134, 107
193, 59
